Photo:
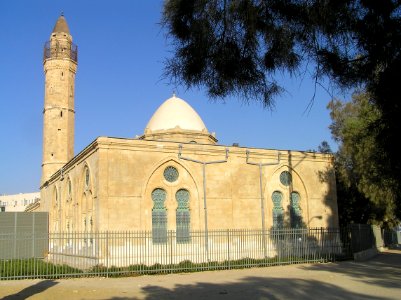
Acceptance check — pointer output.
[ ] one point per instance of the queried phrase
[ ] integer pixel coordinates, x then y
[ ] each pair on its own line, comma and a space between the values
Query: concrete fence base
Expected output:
366, 254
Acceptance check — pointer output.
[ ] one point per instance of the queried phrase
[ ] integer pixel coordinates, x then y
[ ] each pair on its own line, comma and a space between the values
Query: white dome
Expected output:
175, 112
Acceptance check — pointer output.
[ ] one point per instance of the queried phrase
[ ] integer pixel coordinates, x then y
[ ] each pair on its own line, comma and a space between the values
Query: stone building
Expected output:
173, 177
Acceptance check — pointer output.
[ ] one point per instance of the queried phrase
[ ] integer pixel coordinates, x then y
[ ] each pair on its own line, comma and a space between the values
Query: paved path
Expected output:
378, 278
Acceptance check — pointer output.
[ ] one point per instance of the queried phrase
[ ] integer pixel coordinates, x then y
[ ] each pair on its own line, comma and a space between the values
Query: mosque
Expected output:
175, 176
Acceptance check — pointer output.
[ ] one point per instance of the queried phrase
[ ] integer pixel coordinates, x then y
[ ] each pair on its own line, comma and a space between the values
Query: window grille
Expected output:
295, 210
159, 217
278, 212
285, 178
170, 174
183, 217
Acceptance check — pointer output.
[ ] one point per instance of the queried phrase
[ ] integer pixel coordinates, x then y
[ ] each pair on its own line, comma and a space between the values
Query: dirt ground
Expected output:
378, 278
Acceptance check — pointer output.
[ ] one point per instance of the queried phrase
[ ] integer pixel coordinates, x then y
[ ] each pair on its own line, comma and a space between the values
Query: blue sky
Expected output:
119, 85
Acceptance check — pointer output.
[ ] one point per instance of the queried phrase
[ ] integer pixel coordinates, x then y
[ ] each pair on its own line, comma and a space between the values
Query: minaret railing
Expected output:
54, 49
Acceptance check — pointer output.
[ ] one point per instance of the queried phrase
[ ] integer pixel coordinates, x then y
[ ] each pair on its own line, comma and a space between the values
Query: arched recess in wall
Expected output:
290, 184
170, 175
55, 209
85, 210
68, 205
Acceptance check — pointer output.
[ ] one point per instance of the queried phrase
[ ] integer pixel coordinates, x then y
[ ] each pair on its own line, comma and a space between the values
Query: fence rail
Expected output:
132, 253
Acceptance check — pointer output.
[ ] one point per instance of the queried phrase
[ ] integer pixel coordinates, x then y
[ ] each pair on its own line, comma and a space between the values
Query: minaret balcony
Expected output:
56, 50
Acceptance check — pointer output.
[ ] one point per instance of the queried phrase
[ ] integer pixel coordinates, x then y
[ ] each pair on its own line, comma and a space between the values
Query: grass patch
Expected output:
37, 268
34, 268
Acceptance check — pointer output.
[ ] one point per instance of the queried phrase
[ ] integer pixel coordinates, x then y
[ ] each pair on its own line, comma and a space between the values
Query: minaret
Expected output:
60, 65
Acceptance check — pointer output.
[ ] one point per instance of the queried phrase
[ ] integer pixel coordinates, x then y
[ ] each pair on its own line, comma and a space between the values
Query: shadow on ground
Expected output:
32, 290
384, 270
318, 281
255, 288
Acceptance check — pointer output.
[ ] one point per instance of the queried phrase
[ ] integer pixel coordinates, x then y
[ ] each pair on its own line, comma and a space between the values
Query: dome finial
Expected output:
62, 13
174, 94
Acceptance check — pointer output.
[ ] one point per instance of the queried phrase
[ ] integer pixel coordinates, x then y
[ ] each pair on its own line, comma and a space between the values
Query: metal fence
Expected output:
391, 237
135, 253
362, 236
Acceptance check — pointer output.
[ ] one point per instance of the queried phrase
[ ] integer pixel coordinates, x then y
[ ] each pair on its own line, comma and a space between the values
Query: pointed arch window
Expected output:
87, 178
55, 198
278, 212
183, 218
56, 208
159, 216
295, 210
69, 189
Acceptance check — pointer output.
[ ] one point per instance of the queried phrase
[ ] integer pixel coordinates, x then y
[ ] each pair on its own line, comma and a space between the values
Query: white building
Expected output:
18, 202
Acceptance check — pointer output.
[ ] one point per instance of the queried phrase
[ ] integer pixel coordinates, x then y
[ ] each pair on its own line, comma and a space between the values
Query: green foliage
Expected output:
26, 268
188, 266
324, 147
35, 268
364, 194
236, 47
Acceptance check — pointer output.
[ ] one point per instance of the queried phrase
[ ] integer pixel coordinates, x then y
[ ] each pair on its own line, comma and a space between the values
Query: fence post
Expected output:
15, 235
33, 235
171, 251
107, 253
228, 249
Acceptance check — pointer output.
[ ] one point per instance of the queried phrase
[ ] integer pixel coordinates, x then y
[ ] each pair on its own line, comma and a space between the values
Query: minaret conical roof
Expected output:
61, 25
